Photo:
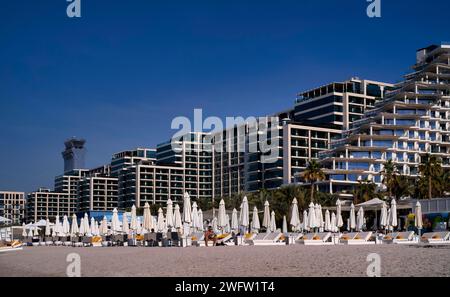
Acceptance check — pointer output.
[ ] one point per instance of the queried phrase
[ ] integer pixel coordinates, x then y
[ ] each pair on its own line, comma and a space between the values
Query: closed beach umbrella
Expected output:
285, 229
139, 226
360, 219
255, 220
266, 217
133, 223
187, 217
47, 227
384, 216
115, 223
333, 227
295, 217
214, 225
227, 227
352, 217
177, 217
245, 213
339, 221
234, 221
305, 221
161, 224
418, 216
221, 217
148, 222
93, 227
312, 216
194, 217
393, 221
348, 224
36, 231
169, 214
74, 227
389, 219
57, 226
200, 220
327, 225
87, 229
81, 230
24, 230
125, 226
104, 226
273, 225
65, 226
320, 220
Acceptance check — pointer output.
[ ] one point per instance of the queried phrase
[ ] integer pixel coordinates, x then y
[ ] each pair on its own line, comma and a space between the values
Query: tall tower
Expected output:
74, 154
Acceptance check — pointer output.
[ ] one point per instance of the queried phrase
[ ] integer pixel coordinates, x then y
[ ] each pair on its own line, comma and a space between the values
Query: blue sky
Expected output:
118, 75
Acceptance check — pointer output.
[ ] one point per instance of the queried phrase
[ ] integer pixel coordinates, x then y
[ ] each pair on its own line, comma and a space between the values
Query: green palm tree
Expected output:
313, 173
364, 191
389, 172
403, 186
431, 171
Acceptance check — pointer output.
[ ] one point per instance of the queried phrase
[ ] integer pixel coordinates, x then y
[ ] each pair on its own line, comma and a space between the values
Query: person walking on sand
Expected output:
210, 235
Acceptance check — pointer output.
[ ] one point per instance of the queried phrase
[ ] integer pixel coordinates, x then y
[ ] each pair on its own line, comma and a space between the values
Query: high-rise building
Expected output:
68, 183
44, 204
412, 121
126, 158
74, 154
12, 206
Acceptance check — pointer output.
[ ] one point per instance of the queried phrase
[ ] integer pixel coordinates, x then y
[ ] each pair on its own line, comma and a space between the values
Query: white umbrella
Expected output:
221, 217
273, 225
147, 225
305, 221
227, 228
81, 229
47, 228
178, 224
103, 227
352, 217
255, 220
245, 213
65, 226
312, 216
24, 231
319, 217
139, 226
333, 226
35, 231
161, 223
214, 225
169, 214
327, 225
187, 209
389, 219
93, 231
115, 223
339, 221
266, 217
125, 227
348, 224
360, 219
74, 228
194, 217
57, 226
393, 222
384, 216
418, 216
200, 220
234, 221
87, 229
285, 229
133, 223
295, 216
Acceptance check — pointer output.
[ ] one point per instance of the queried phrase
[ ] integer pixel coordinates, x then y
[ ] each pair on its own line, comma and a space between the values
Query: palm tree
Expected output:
403, 186
389, 172
364, 191
313, 173
431, 171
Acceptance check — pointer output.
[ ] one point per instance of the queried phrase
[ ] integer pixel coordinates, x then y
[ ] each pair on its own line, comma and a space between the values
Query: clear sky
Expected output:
119, 75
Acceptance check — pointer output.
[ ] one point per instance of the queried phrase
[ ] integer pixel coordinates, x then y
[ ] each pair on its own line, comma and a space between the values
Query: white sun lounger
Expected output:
269, 239
357, 238
321, 238
436, 237
406, 237
294, 237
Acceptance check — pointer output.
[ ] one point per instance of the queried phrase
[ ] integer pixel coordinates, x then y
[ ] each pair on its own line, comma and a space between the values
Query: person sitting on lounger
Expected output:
210, 235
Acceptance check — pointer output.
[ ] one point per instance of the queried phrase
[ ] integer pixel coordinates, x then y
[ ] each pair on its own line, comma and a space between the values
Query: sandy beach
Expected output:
295, 260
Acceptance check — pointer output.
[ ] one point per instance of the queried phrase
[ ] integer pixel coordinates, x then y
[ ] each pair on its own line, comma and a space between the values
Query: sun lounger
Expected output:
399, 237
294, 237
275, 238
224, 239
198, 239
357, 238
321, 238
173, 238
48, 240
436, 237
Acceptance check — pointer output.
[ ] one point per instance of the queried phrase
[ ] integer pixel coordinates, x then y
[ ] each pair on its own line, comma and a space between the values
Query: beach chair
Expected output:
150, 239
76, 241
87, 240
224, 239
48, 241
27, 241
35, 241
436, 237
358, 238
321, 238
406, 237
198, 239
293, 237
275, 238
173, 238
106, 240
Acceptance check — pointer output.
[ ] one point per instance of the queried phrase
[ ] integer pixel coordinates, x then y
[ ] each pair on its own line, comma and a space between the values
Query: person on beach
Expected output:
210, 235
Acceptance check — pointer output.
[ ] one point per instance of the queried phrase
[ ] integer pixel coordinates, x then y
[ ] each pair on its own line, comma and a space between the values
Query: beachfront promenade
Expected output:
230, 261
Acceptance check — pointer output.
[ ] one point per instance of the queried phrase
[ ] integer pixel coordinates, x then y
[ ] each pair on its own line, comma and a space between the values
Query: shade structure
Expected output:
200, 221
65, 226
339, 220
169, 214
221, 217
352, 217
393, 221
305, 225
348, 224
147, 224
133, 222
187, 217
177, 217
161, 224
87, 229
125, 226
389, 218
35, 231
103, 227
384, 216
333, 227
255, 220
115, 223
360, 219
81, 230
245, 213
47, 228
295, 216
74, 227
284, 228
194, 217
374, 203
24, 230
311, 216
418, 216
266, 216
327, 225
234, 221
30, 233
273, 225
